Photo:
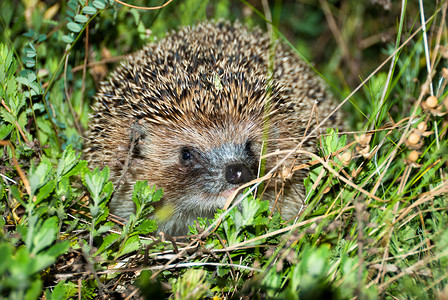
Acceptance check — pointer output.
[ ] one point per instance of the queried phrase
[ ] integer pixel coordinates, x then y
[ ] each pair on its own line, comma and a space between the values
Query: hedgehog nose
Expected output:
238, 173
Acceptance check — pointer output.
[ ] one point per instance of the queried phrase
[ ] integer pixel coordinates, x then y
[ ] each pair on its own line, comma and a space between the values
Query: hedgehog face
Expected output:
220, 170
198, 167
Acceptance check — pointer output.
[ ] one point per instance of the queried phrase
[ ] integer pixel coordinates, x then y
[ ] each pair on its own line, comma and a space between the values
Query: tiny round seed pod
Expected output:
413, 155
422, 126
346, 157
363, 139
432, 101
413, 138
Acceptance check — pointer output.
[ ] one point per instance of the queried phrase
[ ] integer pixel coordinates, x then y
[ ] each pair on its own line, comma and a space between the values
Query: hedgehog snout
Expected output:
238, 173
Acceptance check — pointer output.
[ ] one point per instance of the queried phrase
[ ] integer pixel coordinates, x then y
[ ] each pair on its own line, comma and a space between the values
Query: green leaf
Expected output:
30, 62
68, 39
108, 241
63, 290
58, 249
143, 194
81, 18
100, 4
34, 290
146, 226
5, 254
5, 130
7, 116
100, 190
75, 27
67, 162
41, 37
89, 10
45, 235
105, 228
45, 191
70, 13
23, 80
132, 244
95, 181
30, 53
40, 175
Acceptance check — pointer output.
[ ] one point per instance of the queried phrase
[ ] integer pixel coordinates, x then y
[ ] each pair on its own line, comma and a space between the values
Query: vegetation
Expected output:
375, 221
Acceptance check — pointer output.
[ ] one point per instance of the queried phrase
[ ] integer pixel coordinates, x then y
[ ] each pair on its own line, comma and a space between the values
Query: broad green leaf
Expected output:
132, 244
5, 130
75, 27
89, 10
108, 241
40, 175
81, 18
100, 4
34, 290
68, 39
45, 235
45, 191
5, 254
145, 227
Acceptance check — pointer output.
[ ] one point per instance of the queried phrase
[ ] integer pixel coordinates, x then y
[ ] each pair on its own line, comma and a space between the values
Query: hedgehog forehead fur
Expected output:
202, 101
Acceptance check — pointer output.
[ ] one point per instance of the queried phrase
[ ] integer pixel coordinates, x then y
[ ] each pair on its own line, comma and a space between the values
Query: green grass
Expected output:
375, 222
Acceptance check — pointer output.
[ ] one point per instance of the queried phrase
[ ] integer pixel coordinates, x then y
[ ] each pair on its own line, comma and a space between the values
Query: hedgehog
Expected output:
193, 113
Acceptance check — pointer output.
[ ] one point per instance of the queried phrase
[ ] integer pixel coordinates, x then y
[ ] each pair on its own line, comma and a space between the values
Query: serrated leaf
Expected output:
132, 244
95, 181
23, 80
76, 169
81, 18
100, 190
108, 241
90, 10
74, 27
105, 228
100, 4
145, 227
68, 160
5, 130
7, 116
63, 290
63, 187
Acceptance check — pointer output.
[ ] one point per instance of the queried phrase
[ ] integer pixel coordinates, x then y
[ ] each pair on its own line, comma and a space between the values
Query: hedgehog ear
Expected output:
248, 147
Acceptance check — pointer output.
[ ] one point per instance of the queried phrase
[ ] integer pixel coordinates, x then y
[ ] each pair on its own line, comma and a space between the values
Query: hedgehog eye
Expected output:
186, 156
